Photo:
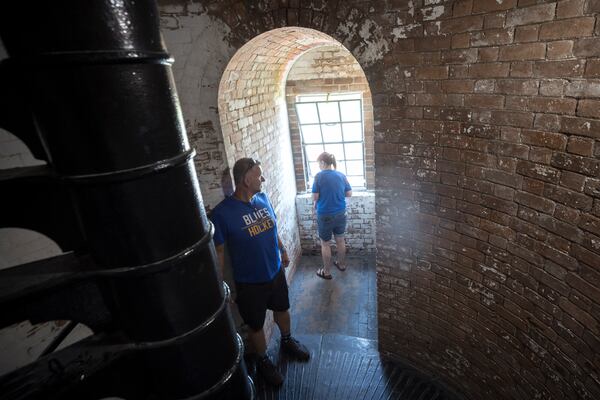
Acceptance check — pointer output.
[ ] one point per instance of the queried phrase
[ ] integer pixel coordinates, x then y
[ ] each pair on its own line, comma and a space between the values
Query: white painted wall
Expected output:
196, 42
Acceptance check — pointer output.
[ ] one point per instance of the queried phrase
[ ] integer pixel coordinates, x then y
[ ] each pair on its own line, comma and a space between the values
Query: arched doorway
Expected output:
256, 109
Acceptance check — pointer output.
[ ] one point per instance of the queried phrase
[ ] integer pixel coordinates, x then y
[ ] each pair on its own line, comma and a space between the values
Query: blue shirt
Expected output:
332, 186
250, 231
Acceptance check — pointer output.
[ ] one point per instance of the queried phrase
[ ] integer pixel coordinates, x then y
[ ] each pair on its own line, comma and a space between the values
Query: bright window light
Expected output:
333, 123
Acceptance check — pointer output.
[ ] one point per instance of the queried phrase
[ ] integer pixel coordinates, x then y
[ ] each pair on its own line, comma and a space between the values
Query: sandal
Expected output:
337, 264
321, 274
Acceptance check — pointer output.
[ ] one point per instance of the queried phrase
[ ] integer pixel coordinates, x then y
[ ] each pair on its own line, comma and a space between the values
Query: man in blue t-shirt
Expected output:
246, 222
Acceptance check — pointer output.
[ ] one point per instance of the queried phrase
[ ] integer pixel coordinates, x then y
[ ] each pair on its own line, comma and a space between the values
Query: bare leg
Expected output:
258, 341
283, 321
341, 250
326, 254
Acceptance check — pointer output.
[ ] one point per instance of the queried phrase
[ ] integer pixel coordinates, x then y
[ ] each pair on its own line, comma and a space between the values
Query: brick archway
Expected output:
252, 88
253, 116
254, 120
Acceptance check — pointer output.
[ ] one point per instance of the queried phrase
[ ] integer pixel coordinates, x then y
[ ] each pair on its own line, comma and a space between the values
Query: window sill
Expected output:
355, 193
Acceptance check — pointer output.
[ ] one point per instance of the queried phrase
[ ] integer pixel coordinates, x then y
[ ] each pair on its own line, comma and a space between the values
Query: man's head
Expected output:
247, 175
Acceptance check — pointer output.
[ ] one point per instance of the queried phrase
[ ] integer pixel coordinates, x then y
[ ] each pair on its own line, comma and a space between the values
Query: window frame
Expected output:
331, 98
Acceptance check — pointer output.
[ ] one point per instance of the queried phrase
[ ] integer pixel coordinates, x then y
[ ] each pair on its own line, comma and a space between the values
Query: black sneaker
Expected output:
295, 349
268, 371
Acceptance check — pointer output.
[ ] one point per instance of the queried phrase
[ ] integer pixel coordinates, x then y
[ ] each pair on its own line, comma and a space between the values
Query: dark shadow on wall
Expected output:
227, 183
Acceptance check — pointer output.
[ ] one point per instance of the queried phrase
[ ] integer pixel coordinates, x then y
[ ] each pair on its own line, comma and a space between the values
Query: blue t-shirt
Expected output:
250, 230
332, 186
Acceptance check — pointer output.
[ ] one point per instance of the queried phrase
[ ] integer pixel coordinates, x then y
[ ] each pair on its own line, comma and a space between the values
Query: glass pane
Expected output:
313, 169
354, 151
354, 167
332, 133
312, 152
336, 149
352, 131
329, 112
344, 96
311, 98
311, 133
341, 166
356, 181
307, 113
351, 110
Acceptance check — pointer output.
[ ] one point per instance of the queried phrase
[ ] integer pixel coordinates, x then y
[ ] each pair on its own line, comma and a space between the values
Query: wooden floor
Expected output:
337, 320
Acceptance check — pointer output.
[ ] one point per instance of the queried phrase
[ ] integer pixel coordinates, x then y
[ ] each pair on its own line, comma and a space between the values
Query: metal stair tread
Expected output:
347, 368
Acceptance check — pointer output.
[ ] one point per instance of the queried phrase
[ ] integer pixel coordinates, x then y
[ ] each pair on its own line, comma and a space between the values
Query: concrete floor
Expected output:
345, 305
336, 320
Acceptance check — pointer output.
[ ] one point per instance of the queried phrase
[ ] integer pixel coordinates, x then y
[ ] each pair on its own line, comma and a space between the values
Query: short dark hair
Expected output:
241, 168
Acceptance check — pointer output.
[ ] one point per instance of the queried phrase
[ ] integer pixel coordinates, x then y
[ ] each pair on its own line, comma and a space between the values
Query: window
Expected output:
333, 123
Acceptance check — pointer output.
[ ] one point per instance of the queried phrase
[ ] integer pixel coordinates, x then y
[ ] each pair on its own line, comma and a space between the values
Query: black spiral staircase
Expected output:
88, 88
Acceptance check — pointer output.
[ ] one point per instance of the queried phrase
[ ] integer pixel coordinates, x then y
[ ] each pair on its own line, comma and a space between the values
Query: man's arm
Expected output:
349, 193
315, 199
285, 259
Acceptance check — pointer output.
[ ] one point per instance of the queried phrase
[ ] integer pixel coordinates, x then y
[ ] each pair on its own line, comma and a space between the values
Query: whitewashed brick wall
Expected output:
201, 53
327, 62
360, 231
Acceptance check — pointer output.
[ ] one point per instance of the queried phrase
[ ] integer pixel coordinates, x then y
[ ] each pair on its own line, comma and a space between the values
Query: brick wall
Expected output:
360, 229
332, 69
328, 69
488, 272
197, 44
488, 201
254, 119
487, 166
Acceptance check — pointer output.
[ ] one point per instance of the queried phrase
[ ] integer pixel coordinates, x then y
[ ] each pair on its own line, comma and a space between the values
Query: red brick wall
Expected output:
253, 115
488, 265
487, 177
488, 273
254, 123
330, 69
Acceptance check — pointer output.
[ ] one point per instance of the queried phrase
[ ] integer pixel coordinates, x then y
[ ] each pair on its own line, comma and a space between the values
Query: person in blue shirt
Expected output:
330, 189
246, 223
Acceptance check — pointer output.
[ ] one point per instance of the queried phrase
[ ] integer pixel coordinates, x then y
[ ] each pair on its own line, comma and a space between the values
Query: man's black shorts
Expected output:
253, 299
